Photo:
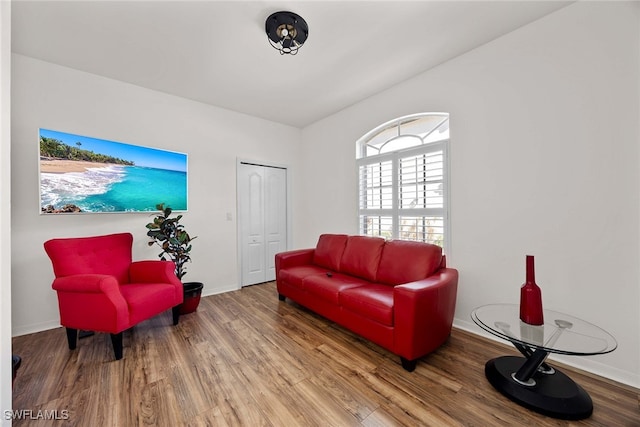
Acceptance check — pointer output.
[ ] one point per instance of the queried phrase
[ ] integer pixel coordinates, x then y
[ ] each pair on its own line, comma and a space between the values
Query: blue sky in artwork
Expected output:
141, 156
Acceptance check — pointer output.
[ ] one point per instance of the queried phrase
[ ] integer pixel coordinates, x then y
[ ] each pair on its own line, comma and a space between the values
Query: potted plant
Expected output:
167, 232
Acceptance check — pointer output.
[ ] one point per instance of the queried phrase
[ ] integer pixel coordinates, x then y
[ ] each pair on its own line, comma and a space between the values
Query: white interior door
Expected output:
262, 205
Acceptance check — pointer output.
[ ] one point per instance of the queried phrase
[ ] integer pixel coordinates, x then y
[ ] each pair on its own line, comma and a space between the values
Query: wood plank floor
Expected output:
246, 359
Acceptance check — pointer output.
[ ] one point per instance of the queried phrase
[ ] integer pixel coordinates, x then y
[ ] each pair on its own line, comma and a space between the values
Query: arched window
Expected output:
403, 186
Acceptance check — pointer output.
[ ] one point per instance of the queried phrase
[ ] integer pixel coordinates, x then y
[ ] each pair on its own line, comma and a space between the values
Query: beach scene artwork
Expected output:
80, 174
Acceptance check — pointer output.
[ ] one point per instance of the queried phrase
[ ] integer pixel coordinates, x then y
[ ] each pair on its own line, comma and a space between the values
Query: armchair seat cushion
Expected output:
145, 300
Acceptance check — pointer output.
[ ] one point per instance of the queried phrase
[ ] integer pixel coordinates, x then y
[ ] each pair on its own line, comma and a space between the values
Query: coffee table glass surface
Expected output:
529, 380
561, 333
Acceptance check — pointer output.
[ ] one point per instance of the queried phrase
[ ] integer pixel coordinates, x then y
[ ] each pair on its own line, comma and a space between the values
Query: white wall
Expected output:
53, 97
544, 161
638, 122
5, 210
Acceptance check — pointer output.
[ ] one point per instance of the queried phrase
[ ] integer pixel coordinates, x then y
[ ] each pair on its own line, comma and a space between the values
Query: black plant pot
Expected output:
15, 362
192, 293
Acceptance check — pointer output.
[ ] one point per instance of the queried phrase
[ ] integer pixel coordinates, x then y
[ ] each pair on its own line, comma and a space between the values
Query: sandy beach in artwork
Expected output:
64, 166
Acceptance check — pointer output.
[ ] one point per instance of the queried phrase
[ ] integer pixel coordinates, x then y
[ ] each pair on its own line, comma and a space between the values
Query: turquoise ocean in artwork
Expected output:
115, 189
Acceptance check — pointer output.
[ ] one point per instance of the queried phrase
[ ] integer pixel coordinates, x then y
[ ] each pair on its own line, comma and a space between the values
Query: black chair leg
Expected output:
116, 340
409, 365
281, 297
176, 314
72, 338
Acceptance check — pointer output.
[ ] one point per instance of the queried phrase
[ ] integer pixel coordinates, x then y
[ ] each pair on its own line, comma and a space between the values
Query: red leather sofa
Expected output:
398, 294
101, 289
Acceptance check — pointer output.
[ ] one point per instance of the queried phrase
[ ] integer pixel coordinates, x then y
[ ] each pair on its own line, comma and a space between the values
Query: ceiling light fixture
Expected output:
287, 32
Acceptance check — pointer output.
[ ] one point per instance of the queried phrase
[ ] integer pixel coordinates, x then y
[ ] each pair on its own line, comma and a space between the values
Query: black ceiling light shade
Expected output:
287, 32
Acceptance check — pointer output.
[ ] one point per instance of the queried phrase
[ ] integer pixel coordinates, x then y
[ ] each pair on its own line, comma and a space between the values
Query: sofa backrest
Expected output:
329, 251
110, 254
361, 256
405, 261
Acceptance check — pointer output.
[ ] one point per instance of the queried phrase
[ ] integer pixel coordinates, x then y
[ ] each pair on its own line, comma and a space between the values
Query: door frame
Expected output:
266, 164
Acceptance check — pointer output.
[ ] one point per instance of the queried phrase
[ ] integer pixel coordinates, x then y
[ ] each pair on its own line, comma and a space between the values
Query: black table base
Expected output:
555, 395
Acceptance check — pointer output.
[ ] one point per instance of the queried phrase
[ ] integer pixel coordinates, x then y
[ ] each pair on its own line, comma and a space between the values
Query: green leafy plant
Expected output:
170, 235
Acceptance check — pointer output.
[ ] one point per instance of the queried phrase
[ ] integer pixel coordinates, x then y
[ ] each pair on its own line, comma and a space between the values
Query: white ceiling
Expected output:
217, 52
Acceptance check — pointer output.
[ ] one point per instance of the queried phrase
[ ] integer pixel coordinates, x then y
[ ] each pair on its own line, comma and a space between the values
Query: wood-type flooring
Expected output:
246, 359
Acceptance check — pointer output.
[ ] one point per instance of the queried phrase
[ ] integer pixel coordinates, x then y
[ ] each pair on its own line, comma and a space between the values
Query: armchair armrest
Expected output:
154, 272
91, 301
293, 258
424, 313
87, 283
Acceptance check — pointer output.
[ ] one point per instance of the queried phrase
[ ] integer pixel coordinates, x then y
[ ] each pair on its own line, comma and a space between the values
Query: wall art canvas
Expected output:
80, 174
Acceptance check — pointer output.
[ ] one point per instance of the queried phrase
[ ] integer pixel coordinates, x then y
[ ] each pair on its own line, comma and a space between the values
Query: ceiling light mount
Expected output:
287, 32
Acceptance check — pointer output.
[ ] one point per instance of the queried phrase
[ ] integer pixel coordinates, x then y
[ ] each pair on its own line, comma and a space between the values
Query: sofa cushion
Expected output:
404, 261
329, 251
328, 287
295, 275
373, 301
361, 256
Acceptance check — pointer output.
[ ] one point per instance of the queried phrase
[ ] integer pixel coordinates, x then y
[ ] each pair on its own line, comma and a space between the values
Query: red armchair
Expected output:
100, 288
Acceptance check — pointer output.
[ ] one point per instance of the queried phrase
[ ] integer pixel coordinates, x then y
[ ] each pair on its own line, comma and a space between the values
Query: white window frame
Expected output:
395, 212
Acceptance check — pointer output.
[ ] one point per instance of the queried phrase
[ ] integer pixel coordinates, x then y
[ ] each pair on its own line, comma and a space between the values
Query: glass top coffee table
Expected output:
530, 381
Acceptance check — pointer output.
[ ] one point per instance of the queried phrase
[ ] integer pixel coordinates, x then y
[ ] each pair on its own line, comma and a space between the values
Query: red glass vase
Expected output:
531, 297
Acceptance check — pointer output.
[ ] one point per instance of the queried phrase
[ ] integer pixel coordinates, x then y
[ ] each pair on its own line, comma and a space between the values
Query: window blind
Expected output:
402, 195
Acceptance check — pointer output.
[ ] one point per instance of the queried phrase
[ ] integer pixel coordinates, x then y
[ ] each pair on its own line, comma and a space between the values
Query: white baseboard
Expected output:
220, 290
36, 327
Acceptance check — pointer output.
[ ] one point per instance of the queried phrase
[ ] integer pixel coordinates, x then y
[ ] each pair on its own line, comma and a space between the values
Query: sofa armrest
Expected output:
153, 272
293, 258
424, 313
